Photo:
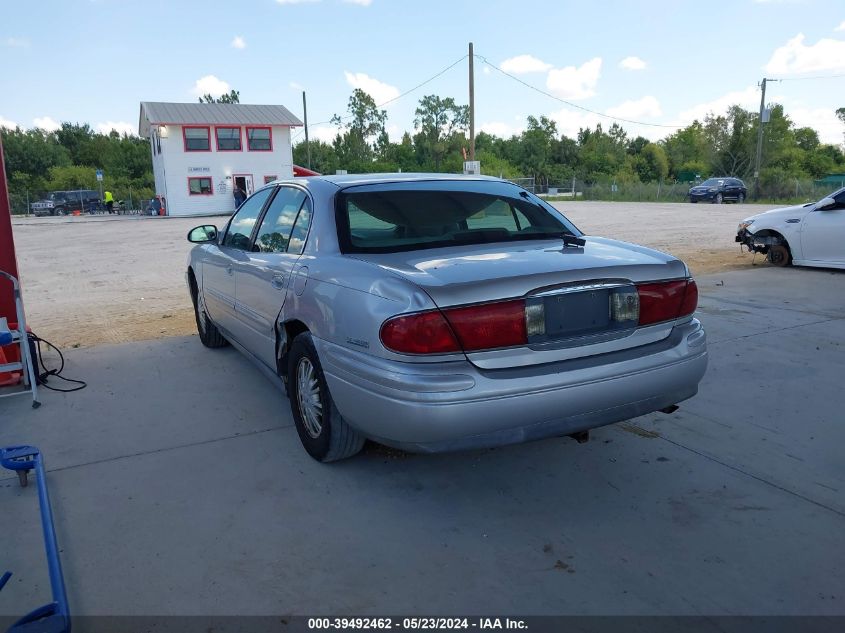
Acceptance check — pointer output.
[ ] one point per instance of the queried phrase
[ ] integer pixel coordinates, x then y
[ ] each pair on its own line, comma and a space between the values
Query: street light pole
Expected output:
759, 140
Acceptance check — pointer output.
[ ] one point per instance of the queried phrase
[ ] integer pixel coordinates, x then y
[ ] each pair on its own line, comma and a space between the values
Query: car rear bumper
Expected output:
429, 407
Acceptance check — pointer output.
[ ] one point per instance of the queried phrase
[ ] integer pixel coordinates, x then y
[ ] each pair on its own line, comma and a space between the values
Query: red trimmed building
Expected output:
202, 151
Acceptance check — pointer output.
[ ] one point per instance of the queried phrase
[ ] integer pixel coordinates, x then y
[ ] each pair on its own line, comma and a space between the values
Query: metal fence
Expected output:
21, 203
782, 191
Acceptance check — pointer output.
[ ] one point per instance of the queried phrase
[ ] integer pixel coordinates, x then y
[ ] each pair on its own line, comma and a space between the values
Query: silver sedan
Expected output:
438, 313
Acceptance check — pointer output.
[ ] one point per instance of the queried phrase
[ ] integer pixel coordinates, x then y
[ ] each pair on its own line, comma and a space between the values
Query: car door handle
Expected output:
278, 281
230, 269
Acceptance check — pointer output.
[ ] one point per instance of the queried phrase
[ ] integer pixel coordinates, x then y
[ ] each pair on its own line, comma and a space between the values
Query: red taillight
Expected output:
423, 333
489, 325
667, 300
470, 329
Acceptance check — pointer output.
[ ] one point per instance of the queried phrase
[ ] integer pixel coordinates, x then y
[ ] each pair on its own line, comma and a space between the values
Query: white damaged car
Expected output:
806, 235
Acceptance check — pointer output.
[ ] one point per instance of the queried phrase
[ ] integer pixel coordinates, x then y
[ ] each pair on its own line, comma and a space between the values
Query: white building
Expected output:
201, 151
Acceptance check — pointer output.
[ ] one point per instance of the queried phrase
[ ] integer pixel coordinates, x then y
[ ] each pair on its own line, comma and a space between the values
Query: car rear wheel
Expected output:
209, 335
60, 211
779, 255
322, 430
718, 199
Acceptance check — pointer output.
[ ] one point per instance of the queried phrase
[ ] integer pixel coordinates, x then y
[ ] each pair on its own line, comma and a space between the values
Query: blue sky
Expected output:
94, 60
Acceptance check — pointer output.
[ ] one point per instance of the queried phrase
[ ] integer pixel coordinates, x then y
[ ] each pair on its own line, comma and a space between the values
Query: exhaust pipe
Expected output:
670, 409
582, 437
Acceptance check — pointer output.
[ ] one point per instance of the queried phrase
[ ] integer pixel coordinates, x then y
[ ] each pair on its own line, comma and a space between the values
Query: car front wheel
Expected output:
718, 199
322, 430
740, 198
779, 255
210, 336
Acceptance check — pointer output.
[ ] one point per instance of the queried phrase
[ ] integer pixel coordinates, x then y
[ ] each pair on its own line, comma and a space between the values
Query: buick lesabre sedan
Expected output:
437, 313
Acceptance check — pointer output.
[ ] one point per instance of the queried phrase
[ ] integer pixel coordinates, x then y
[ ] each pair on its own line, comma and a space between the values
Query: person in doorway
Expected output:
240, 196
109, 200
154, 208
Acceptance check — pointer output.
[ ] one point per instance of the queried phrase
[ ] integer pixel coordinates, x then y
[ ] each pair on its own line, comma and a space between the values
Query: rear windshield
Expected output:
392, 219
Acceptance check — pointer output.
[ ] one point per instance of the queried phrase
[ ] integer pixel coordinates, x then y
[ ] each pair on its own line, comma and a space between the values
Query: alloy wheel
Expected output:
308, 397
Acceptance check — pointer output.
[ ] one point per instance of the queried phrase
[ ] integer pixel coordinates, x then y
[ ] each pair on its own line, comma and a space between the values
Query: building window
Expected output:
199, 186
228, 139
259, 139
269, 179
197, 139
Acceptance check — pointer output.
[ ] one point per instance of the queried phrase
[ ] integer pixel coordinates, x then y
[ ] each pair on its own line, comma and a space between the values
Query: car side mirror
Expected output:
203, 234
826, 203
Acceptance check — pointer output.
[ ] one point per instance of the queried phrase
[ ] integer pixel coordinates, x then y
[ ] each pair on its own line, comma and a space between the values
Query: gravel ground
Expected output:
95, 280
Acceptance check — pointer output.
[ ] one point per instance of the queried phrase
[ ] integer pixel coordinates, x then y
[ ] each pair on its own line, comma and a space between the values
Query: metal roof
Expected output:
155, 112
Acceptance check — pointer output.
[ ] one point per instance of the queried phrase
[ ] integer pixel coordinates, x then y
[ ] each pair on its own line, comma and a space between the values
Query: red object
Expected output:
8, 261
302, 171
217, 128
207, 129
421, 333
490, 325
667, 301
259, 127
10, 354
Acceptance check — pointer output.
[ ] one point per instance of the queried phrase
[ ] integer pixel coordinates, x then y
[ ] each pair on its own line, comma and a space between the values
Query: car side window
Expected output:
240, 227
300, 229
275, 230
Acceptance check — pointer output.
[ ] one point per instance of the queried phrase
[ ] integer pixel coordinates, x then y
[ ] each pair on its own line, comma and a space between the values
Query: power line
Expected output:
805, 78
396, 98
574, 105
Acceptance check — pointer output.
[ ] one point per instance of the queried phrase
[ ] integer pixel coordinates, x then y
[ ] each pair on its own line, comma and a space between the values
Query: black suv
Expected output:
66, 202
719, 190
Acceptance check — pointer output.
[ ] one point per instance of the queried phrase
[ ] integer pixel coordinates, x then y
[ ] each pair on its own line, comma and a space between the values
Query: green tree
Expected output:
651, 164
233, 96
355, 141
438, 121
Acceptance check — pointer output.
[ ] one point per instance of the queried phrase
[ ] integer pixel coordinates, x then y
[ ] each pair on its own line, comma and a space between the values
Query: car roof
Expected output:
346, 180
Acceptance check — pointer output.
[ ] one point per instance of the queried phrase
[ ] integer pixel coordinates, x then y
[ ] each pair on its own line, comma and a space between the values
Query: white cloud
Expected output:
121, 127
795, 57
632, 63
295, 86
575, 83
4, 122
822, 120
16, 42
501, 129
378, 90
238, 42
210, 85
646, 108
46, 123
360, 3
323, 133
841, 27
748, 99
486, 70
570, 121
522, 64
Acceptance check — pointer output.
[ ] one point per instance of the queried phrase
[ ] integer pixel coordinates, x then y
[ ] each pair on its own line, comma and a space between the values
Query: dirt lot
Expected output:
109, 280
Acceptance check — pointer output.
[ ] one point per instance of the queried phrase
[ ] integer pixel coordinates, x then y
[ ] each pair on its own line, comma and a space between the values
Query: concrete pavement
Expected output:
179, 487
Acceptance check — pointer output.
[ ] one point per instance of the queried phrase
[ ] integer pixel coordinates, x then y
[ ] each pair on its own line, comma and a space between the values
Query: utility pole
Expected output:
471, 104
759, 140
305, 116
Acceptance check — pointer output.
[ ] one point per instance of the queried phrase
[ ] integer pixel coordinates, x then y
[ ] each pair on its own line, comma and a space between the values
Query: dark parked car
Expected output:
719, 190
66, 202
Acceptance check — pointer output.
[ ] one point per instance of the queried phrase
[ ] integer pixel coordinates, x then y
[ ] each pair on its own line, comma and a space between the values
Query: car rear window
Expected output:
385, 219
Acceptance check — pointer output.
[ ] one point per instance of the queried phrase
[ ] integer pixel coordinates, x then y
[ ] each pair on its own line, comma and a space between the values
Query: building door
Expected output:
244, 181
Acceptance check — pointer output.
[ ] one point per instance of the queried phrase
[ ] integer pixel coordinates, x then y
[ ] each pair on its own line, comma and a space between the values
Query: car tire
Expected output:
60, 211
324, 433
718, 198
740, 198
779, 255
209, 335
